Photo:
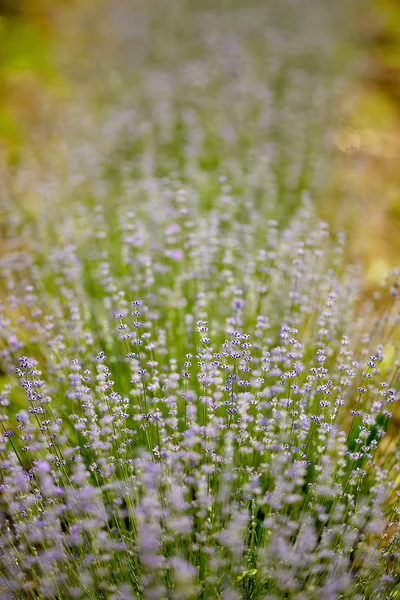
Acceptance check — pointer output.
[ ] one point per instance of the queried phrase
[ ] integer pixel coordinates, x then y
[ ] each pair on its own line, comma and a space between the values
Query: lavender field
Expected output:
198, 395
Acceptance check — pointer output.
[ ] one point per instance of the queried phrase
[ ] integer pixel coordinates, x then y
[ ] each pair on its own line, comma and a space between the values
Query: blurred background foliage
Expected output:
363, 194
29, 79
366, 198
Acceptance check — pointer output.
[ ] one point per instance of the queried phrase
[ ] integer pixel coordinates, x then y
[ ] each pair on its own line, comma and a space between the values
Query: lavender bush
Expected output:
196, 397
184, 437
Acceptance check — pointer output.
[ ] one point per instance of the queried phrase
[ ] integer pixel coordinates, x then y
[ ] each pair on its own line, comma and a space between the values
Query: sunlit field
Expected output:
199, 377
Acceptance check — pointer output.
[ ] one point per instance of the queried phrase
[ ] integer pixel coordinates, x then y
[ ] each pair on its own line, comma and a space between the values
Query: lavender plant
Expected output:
196, 397
201, 440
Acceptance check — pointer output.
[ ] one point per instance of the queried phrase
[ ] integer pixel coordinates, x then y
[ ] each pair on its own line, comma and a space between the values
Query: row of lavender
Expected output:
196, 399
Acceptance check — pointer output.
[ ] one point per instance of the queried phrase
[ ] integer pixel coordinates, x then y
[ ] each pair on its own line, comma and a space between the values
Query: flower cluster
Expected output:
196, 400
